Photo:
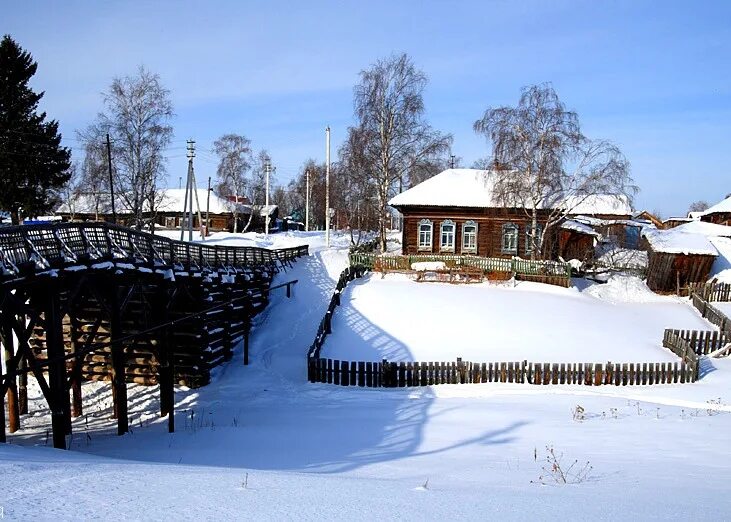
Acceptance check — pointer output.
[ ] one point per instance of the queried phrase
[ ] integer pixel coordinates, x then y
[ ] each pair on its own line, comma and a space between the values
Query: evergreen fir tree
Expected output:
33, 164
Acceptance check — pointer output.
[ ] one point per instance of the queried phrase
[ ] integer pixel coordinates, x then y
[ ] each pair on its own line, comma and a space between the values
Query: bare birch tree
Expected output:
137, 115
234, 163
544, 163
698, 206
392, 134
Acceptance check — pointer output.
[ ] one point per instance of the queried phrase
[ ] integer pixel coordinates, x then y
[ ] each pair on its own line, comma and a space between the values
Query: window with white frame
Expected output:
447, 236
425, 234
529, 238
469, 237
510, 238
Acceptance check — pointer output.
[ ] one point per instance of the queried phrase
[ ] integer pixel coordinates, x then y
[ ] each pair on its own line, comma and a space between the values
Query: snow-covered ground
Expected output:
260, 443
398, 319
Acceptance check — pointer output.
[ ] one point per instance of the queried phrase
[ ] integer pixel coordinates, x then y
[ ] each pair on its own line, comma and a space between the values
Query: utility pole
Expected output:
327, 186
111, 179
191, 155
267, 169
208, 206
451, 161
307, 200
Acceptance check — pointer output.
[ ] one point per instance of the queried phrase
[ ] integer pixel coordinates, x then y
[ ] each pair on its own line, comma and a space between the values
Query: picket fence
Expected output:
711, 291
710, 312
400, 374
686, 344
552, 272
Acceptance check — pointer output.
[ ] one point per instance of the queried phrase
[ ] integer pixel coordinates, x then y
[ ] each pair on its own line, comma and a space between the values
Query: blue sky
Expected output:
654, 77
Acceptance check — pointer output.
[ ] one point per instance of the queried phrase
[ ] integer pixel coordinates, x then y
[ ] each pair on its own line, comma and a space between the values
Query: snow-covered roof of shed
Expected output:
676, 241
575, 226
704, 228
452, 188
723, 206
599, 204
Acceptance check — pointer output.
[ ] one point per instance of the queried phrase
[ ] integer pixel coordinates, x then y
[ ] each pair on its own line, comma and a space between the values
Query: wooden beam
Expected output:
119, 384
57, 365
10, 369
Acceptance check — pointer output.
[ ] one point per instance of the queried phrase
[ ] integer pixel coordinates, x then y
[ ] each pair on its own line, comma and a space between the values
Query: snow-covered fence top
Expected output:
38, 247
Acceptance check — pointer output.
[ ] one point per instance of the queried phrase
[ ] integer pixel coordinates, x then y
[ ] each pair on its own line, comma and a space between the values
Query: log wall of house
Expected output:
719, 218
489, 228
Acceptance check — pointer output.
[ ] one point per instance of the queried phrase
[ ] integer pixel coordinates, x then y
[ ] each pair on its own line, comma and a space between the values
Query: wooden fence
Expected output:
701, 342
387, 374
400, 374
325, 327
711, 291
551, 272
684, 349
710, 312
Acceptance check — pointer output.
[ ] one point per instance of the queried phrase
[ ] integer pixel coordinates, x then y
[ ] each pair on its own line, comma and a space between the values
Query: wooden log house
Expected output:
458, 212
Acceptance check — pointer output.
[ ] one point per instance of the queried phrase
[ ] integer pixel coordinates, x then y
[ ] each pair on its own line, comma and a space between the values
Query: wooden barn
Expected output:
577, 240
457, 212
720, 213
676, 258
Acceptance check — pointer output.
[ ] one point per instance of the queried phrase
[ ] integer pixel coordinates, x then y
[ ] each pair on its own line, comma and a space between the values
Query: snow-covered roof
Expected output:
704, 228
676, 241
575, 226
723, 206
452, 187
172, 201
476, 188
599, 204
598, 222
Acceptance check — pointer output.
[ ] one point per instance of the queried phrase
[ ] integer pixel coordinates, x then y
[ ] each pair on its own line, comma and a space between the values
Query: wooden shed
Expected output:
577, 240
676, 258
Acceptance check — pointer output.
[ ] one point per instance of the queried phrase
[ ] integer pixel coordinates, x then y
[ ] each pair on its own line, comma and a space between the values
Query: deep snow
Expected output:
398, 319
259, 443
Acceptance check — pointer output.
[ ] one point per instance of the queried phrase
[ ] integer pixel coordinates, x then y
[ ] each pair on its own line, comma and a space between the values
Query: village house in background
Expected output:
720, 213
170, 211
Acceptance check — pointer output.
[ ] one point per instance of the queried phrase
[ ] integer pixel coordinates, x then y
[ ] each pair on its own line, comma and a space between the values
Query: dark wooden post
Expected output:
12, 393
119, 384
57, 367
77, 407
167, 363
23, 387
247, 329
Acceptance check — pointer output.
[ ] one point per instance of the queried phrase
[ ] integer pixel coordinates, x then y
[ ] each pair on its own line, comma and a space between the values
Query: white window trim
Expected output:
449, 223
469, 250
418, 235
502, 238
